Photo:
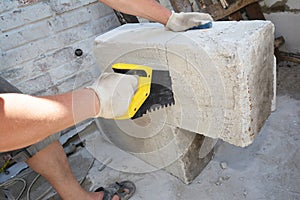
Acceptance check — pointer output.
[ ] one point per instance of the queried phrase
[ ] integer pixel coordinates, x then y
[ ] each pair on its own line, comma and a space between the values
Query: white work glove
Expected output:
115, 92
184, 21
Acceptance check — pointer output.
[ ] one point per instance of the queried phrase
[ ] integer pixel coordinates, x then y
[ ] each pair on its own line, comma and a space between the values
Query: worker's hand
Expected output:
115, 92
184, 21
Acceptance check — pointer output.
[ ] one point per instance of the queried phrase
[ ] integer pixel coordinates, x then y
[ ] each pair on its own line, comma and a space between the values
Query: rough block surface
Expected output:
222, 77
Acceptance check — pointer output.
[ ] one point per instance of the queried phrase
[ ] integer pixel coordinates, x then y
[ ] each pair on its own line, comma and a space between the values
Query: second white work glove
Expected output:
184, 21
115, 92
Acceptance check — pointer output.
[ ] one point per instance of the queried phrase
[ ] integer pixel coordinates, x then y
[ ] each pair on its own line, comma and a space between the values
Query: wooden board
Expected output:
202, 4
289, 57
218, 12
254, 12
181, 5
236, 16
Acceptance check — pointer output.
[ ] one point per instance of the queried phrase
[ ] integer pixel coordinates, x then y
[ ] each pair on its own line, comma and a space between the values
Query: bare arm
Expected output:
149, 9
25, 120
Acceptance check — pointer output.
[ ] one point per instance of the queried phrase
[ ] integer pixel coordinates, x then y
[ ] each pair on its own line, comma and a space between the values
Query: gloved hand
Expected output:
184, 21
115, 92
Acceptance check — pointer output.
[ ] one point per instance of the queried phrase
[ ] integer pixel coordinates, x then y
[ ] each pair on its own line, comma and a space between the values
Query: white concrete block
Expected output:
222, 77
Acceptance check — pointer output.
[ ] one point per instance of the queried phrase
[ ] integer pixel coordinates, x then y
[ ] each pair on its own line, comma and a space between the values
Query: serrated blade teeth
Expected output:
161, 94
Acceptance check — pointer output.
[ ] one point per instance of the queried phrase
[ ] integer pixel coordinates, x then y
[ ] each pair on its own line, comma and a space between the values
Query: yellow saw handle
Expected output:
144, 85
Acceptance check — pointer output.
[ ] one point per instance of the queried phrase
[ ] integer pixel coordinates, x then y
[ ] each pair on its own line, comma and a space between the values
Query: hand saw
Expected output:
154, 89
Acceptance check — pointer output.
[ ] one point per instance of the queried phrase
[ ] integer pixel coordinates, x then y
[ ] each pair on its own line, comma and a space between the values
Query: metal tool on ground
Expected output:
154, 89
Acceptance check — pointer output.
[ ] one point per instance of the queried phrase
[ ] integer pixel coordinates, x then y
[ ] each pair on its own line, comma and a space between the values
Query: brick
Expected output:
54, 59
68, 37
66, 55
22, 54
27, 2
79, 80
49, 91
87, 30
95, 27
24, 15
7, 5
36, 84
44, 28
15, 74
43, 84
25, 71
58, 63
70, 68
38, 43
222, 77
62, 6
79, 16
24, 35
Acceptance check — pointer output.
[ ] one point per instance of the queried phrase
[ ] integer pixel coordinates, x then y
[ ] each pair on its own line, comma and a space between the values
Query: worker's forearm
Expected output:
149, 9
25, 120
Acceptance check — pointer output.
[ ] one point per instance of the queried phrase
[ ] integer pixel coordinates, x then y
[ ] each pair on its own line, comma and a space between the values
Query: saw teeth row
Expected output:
157, 107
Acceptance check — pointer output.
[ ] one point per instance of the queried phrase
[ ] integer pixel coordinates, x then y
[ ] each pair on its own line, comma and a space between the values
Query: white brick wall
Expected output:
38, 41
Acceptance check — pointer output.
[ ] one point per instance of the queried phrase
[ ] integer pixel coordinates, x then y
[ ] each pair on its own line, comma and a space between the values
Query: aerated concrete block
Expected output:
222, 77
222, 82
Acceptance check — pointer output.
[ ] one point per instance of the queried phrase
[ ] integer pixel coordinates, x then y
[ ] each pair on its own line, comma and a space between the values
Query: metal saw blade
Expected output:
161, 93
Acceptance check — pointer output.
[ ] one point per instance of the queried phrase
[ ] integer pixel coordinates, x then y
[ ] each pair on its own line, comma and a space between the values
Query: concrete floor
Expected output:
267, 169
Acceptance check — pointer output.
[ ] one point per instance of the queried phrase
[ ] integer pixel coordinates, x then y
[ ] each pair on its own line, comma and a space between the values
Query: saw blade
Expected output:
161, 93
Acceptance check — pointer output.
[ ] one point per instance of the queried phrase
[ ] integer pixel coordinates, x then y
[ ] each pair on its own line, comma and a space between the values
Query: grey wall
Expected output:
38, 40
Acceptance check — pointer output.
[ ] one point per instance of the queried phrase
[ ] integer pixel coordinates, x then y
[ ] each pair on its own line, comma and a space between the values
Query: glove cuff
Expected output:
170, 22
